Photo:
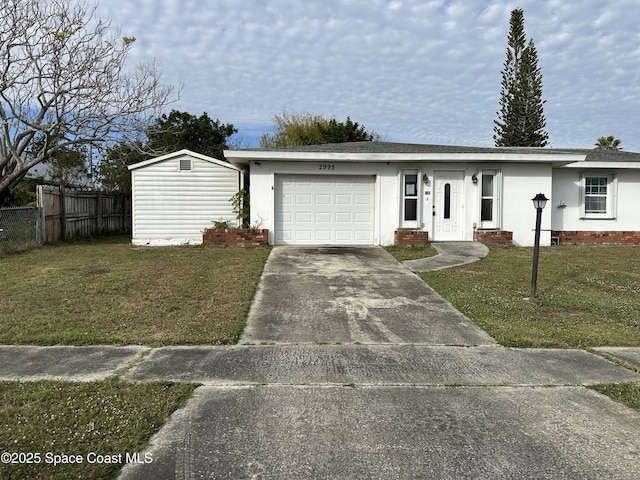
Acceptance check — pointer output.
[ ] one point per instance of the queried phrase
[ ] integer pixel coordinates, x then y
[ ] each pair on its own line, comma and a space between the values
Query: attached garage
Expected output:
324, 209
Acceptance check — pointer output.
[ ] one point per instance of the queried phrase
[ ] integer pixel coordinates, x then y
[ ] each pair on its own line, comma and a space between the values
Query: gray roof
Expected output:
390, 147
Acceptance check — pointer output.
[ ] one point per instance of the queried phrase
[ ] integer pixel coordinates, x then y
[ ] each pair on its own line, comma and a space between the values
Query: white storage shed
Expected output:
178, 195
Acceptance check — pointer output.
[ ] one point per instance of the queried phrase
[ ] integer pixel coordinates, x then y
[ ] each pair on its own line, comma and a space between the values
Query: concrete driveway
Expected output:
351, 295
352, 368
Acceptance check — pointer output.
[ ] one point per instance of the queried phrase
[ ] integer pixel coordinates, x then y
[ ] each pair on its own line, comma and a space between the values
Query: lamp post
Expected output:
539, 202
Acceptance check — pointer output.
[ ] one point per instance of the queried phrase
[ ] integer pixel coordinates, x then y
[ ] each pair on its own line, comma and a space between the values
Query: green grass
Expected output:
108, 418
107, 291
411, 253
626, 393
587, 296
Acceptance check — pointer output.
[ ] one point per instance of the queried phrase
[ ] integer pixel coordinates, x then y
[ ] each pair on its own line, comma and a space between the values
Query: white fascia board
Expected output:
243, 156
604, 165
184, 153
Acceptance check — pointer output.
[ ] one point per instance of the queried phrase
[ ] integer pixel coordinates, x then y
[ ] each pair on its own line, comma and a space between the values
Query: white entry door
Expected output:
448, 206
324, 210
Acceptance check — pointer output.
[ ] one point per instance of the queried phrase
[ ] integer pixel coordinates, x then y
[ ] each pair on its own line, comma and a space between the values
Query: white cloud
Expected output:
412, 70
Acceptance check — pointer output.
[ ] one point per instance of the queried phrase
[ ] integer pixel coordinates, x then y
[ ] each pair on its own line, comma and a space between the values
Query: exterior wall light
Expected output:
425, 179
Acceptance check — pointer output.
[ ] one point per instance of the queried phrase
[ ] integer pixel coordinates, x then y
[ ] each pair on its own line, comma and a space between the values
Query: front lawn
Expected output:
411, 253
587, 295
107, 291
45, 422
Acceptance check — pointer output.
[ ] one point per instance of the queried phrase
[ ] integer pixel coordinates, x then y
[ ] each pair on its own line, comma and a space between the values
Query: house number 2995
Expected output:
327, 166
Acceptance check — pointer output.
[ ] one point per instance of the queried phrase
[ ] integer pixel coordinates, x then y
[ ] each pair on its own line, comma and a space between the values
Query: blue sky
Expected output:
419, 71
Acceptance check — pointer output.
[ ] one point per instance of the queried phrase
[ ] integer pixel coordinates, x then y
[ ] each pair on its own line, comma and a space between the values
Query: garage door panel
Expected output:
303, 199
344, 236
343, 217
283, 236
343, 199
303, 217
363, 217
303, 235
323, 217
323, 199
361, 199
363, 236
324, 209
323, 236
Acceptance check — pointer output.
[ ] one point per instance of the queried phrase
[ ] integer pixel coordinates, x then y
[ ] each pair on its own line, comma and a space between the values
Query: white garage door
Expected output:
324, 210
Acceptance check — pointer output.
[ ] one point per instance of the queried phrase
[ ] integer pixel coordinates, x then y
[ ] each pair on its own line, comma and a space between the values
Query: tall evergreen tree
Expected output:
521, 119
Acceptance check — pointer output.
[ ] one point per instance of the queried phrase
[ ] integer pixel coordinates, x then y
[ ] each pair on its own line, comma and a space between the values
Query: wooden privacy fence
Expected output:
82, 212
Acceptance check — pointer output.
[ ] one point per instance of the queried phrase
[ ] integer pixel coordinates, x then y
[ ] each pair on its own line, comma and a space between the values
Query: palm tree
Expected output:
608, 143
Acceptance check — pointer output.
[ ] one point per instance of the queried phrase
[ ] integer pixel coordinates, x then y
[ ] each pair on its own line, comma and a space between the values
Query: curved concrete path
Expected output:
450, 254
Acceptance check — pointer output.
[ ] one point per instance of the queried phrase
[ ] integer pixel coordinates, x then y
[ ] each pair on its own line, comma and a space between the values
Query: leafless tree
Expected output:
63, 84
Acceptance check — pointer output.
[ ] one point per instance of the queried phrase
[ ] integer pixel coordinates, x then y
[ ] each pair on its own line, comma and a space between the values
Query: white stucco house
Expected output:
176, 196
362, 193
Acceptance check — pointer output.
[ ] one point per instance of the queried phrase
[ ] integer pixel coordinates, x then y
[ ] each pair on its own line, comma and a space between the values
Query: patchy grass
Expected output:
411, 253
626, 393
587, 295
110, 417
107, 291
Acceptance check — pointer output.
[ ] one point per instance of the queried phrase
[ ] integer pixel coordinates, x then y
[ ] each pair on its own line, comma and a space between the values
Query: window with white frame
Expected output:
598, 195
489, 199
410, 198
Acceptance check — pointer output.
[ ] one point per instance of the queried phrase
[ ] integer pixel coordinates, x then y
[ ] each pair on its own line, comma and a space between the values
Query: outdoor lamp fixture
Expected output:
425, 179
539, 202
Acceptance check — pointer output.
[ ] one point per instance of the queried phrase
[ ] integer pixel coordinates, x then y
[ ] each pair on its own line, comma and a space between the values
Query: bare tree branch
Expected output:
63, 79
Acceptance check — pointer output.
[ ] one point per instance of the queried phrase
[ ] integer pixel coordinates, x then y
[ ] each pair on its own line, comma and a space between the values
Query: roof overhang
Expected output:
604, 165
243, 157
184, 153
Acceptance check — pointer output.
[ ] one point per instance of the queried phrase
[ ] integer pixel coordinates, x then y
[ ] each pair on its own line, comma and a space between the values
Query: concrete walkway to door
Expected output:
351, 295
450, 254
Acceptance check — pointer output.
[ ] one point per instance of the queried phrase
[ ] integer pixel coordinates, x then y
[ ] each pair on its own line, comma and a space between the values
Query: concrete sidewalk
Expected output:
352, 367
450, 254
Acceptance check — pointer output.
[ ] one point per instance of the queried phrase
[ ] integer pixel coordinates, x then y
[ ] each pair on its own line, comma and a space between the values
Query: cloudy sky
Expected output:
419, 71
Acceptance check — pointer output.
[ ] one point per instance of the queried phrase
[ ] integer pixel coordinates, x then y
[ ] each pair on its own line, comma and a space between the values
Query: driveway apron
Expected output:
352, 368
351, 295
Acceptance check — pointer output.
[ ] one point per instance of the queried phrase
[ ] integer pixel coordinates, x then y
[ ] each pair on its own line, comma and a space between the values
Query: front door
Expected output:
448, 206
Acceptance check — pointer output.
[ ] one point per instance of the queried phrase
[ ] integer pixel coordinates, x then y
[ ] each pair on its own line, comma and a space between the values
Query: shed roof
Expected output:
184, 153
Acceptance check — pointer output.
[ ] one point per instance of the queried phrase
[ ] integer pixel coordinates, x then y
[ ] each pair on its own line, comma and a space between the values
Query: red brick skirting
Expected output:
596, 237
408, 238
243, 237
493, 237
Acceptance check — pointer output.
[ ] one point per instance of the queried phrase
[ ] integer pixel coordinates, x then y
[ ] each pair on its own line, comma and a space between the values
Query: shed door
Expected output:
324, 210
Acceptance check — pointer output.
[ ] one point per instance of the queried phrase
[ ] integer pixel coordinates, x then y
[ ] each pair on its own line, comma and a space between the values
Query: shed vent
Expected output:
185, 164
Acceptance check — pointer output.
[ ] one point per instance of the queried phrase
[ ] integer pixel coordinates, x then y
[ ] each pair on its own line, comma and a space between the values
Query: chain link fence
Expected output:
18, 227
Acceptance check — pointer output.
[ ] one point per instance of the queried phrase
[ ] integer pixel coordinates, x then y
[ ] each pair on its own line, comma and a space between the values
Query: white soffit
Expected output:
604, 165
292, 156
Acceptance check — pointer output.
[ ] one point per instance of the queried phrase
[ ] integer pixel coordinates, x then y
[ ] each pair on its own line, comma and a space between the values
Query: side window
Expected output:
487, 201
489, 193
595, 194
598, 195
410, 198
